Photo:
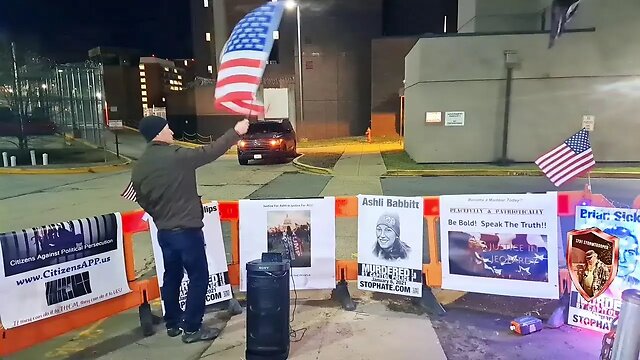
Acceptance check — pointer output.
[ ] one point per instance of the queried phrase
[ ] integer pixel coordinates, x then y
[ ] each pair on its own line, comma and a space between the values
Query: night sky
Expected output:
66, 29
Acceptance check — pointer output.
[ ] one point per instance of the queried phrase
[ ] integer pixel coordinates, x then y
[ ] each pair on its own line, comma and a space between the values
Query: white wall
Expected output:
596, 73
515, 15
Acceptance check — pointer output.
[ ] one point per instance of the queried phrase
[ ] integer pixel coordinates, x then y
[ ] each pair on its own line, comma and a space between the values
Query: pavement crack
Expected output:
228, 347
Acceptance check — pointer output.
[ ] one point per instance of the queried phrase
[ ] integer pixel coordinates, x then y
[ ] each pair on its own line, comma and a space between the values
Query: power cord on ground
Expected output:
294, 333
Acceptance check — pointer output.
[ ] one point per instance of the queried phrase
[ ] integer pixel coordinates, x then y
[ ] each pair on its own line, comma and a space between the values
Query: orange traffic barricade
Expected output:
144, 291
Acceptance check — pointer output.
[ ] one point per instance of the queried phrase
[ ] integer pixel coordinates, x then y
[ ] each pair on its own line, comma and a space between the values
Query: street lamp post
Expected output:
291, 4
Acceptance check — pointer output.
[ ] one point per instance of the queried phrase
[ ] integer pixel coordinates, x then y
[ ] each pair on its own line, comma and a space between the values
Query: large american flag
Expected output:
244, 58
569, 160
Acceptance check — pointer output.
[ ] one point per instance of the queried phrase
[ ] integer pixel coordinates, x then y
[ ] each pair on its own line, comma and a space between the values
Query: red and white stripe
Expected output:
563, 164
239, 78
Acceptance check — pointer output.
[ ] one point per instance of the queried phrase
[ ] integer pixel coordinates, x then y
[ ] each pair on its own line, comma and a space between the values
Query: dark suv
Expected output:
269, 139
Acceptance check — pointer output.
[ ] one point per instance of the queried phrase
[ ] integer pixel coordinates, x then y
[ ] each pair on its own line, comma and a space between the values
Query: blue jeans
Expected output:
184, 249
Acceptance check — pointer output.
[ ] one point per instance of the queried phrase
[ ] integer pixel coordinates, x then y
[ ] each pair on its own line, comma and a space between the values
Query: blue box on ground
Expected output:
526, 325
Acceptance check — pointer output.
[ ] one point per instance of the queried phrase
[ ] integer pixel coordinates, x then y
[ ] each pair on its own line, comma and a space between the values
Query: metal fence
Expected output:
75, 95
41, 98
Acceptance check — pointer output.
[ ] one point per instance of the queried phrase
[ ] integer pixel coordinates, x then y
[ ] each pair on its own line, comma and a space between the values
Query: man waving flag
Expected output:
244, 58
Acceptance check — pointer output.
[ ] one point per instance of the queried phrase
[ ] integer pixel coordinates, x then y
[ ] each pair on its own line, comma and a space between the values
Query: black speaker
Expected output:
268, 308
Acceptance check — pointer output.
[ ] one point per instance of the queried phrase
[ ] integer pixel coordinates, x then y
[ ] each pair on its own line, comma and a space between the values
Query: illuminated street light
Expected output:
99, 95
290, 4
44, 86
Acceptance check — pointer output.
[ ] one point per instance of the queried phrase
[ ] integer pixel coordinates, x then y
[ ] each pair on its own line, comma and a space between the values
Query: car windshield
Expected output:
265, 127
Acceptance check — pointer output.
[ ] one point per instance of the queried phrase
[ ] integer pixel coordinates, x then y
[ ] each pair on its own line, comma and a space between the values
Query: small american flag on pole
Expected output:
569, 160
244, 59
129, 193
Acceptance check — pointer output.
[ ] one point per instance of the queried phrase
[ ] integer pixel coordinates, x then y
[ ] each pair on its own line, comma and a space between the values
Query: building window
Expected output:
166, 69
175, 71
186, 63
207, 36
143, 80
143, 86
144, 99
144, 93
178, 82
179, 77
206, 3
141, 66
210, 68
142, 73
163, 100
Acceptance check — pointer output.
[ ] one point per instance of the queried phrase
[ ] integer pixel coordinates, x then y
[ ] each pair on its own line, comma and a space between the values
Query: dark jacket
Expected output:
164, 179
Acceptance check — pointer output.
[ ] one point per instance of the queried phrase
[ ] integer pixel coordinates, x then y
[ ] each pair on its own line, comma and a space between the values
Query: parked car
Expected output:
269, 139
36, 124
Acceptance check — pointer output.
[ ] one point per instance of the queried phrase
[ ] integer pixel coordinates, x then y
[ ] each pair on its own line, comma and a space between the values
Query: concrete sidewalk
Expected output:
382, 327
359, 167
323, 331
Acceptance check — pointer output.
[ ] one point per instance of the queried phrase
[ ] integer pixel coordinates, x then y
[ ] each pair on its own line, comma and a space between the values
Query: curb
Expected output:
522, 172
189, 145
66, 171
89, 169
310, 168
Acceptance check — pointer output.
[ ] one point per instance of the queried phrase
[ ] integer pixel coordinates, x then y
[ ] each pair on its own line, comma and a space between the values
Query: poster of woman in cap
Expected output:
390, 238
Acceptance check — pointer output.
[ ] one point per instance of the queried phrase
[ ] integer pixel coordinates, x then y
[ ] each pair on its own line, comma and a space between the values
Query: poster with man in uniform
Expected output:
600, 311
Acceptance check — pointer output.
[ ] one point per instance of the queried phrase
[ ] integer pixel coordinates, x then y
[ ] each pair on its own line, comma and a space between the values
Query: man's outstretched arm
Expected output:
205, 154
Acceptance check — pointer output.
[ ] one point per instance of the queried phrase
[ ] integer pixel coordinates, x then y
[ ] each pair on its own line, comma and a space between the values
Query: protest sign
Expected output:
390, 241
500, 244
302, 230
624, 224
61, 267
219, 288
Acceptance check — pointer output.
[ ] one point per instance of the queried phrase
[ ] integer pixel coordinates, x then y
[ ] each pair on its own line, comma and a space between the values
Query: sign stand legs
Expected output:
341, 294
232, 306
559, 315
428, 301
117, 146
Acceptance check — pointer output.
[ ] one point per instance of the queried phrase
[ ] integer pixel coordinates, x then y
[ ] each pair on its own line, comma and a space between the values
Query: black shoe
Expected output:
204, 334
173, 332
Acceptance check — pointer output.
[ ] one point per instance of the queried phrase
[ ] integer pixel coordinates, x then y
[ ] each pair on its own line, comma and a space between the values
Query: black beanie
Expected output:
150, 126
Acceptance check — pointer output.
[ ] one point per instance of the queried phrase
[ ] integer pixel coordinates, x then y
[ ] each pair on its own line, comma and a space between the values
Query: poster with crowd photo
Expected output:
54, 269
624, 224
219, 286
500, 244
390, 241
302, 230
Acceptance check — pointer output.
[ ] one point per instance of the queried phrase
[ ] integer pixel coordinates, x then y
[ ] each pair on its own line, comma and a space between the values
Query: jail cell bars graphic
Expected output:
67, 288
